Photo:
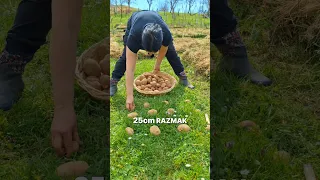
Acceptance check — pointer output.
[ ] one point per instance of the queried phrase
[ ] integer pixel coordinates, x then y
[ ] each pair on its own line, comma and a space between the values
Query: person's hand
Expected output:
64, 131
156, 69
130, 104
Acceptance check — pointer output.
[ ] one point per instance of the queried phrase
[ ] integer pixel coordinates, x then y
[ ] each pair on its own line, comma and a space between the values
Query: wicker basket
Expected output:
93, 52
172, 80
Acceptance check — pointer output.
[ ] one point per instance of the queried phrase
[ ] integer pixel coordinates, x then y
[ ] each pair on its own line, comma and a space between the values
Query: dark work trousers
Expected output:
222, 19
171, 55
31, 26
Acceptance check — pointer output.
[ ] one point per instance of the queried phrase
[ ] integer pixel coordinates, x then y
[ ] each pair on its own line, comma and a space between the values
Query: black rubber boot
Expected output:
183, 79
235, 59
113, 86
11, 83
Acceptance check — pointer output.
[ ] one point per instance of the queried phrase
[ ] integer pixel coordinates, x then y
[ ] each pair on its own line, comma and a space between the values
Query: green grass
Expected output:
161, 157
25, 147
287, 112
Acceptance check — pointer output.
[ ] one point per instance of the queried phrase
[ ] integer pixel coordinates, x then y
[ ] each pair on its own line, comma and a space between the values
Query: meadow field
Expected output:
171, 155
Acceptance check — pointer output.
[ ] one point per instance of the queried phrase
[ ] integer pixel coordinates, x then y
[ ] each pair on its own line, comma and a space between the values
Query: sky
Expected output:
142, 4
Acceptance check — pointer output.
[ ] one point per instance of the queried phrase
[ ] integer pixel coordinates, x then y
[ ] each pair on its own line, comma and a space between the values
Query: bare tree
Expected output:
190, 4
173, 5
150, 3
129, 3
164, 7
121, 2
115, 6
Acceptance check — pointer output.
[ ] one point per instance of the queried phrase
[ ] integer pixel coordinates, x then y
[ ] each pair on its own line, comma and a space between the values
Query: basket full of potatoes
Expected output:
93, 69
154, 84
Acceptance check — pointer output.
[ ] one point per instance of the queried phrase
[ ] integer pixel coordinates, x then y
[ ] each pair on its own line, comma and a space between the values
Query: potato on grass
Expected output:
146, 105
129, 131
249, 125
132, 115
282, 156
91, 68
152, 112
155, 130
74, 168
183, 128
170, 111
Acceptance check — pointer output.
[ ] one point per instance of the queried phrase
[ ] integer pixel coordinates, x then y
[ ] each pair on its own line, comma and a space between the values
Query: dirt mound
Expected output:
115, 49
298, 18
195, 52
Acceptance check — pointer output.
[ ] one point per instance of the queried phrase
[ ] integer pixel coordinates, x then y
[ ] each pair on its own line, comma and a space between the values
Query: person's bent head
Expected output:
152, 38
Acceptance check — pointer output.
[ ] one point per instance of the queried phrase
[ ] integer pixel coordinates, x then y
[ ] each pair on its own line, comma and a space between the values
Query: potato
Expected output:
249, 125
74, 168
139, 87
105, 81
92, 78
100, 51
168, 84
95, 84
170, 111
144, 81
154, 79
141, 78
152, 88
155, 130
143, 87
282, 156
129, 131
160, 89
152, 112
153, 83
187, 101
183, 128
146, 105
163, 85
158, 85
149, 86
91, 68
138, 82
166, 102
132, 115
105, 64
208, 127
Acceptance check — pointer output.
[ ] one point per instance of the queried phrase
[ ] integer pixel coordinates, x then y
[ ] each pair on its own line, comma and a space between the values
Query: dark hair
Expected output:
152, 37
